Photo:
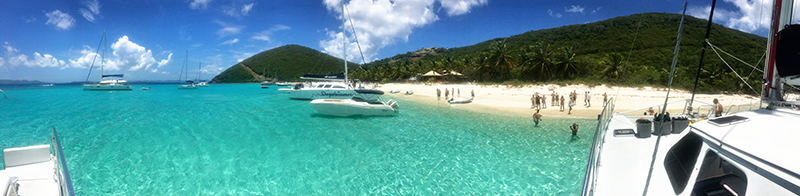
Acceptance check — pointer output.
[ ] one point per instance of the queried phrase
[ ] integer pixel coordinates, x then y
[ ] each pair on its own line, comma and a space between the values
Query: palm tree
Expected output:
499, 61
566, 62
614, 66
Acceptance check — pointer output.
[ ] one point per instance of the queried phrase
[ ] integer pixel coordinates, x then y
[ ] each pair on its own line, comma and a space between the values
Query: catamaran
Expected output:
189, 83
343, 100
200, 82
750, 152
112, 82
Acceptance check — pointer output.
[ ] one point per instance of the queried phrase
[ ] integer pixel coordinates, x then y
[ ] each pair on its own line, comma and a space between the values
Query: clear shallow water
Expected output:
239, 139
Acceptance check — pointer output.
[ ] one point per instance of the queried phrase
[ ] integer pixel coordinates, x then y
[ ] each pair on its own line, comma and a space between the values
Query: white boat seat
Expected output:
26, 155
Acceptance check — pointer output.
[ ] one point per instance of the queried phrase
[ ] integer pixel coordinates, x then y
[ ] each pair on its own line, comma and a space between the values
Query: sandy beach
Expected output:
518, 99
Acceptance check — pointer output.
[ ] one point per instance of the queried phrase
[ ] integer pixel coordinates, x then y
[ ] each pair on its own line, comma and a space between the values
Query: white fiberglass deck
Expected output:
626, 160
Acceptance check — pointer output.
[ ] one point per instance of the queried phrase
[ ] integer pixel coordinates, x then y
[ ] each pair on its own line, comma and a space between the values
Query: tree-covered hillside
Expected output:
285, 63
599, 52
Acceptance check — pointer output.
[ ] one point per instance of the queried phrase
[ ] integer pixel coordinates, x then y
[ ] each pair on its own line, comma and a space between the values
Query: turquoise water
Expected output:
239, 139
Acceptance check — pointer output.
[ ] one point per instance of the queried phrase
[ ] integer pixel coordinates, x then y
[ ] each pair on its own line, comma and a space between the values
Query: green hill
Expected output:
595, 46
289, 62
602, 52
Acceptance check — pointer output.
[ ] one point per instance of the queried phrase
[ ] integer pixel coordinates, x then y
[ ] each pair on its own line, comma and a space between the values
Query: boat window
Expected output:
320, 86
718, 177
337, 86
681, 159
327, 86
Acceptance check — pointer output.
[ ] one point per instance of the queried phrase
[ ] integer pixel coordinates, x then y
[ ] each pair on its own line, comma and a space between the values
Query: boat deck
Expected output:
34, 179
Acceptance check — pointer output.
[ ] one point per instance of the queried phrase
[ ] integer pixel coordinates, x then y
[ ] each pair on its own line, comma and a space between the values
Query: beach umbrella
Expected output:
431, 73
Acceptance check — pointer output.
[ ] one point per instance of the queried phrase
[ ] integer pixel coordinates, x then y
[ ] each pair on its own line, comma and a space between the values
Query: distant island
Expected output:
20, 82
602, 52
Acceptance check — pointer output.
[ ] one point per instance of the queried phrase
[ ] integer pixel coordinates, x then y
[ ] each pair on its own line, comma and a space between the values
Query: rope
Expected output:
638, 26
1, 146
356, 36
740, 60
729, 66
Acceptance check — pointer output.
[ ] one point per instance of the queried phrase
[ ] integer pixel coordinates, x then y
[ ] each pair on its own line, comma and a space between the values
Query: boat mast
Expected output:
781, 16
344, 44
703, 53
103, 56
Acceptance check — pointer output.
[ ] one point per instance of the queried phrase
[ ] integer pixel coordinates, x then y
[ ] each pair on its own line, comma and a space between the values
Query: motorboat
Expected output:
409, 92
750, 150
145, 88
264, 85
364, 103
36, 170
395, 91
111, 82
460, 100
202, 84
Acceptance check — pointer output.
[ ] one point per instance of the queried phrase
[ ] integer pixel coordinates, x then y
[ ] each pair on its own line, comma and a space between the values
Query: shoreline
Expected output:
516, 100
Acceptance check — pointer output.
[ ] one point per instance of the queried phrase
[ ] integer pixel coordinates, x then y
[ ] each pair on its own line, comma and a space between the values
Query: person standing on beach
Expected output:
473, 92
533, 101
571, 103
438, 94
562, 103
605, 99
446, 93
544, 102
717, 108
537, 117
453, 92
459, 92
588, 99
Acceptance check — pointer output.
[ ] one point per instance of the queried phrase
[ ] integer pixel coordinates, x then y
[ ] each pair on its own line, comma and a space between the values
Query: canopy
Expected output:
333, 77
113, 75
431, 73
455, 73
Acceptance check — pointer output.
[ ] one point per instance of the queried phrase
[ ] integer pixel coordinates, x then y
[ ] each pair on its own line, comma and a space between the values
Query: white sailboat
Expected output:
200, 82
36, 170
189, 83
350, 102
745, 153
112, 82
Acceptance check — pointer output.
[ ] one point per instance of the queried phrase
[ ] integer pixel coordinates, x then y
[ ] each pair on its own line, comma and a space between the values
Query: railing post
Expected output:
63, 165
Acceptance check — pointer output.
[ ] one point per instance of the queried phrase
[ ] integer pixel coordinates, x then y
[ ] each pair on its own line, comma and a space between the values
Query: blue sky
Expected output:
55, 41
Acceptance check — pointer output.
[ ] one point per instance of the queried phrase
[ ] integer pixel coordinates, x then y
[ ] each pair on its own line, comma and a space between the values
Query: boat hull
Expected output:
110, 87
187, 87
349, 107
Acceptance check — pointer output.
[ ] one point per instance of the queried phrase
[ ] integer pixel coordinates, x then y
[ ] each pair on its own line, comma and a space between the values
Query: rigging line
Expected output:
638, 26
93, 59
734, 71
734, 57
363, 61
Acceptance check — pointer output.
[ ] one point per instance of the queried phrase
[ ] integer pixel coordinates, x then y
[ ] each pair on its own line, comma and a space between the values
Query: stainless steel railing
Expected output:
62, 172
594, 154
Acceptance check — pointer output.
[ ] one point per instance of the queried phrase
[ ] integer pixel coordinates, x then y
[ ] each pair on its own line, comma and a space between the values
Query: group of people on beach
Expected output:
540, 101
449, 92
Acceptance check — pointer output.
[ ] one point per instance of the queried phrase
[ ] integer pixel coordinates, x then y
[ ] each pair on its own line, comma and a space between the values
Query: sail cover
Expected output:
787, 53
335, 77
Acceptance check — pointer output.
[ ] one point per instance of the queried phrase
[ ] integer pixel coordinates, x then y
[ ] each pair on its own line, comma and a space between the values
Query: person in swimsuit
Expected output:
574, 128
537, 117
717, 108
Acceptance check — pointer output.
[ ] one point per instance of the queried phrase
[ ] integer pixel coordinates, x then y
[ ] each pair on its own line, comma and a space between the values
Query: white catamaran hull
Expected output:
187, 86
107, 87
349, 107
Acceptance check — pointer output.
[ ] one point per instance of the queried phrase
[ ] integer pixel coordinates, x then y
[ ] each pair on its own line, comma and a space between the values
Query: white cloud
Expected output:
126, 55
164, 62
550, 12
230, 42
199, 4
749, 16
39, 60
60, 20
458, 7
246, 8
266, 35
92, 8
2, 62
380, 23
228, 29
575, 9
595, 10
85, 61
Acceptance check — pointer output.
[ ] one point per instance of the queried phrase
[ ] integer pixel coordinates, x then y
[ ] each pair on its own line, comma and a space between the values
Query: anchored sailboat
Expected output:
189, 83
111, 82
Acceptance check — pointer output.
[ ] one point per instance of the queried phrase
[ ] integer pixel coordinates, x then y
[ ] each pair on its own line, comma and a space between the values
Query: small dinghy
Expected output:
461, 100
410, 92
145, 88
394, 91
